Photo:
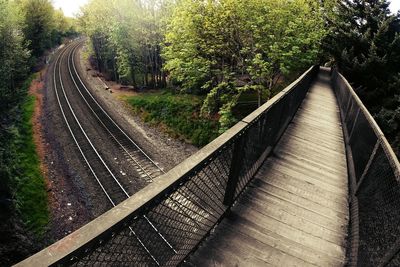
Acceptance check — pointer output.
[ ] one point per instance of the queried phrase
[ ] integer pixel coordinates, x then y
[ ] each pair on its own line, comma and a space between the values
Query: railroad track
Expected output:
107, 180
145, 166
152, 242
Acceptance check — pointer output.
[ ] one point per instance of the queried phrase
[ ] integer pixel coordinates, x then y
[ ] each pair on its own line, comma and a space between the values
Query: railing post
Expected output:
354, 125
392, 252
367, 167
234, 171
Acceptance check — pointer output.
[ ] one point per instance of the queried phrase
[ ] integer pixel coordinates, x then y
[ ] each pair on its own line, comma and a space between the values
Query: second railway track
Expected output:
103, 171
145, 166
152, 242
104, 175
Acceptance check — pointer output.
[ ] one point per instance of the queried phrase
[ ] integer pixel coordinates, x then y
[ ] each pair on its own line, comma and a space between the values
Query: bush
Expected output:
178, 113
22, 181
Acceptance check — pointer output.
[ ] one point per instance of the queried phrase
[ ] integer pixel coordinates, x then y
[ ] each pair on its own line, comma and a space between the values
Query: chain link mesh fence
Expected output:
168, 227
375, 186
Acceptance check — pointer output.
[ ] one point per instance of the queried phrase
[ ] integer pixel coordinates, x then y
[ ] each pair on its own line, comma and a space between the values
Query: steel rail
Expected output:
105, 113
71, 59
70, 129
71, 55
80, 148
87, 137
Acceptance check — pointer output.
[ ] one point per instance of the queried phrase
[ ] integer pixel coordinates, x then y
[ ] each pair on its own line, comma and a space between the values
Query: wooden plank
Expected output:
253, 246
314, 148
310, 213
318, 191
297, 217
305, 239
259, 232
321, 112
331, 202
224, 254
316, 126
314, 184
334, 146
313, 157
329, 139
295, 211
296, 168
319, 122
255, 226
313, 165
312, 114
242, 250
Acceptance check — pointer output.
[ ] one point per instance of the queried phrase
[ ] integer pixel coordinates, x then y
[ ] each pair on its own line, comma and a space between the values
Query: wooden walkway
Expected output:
295, 212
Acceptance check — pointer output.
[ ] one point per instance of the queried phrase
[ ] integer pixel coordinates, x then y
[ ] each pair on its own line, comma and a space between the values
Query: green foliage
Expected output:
43, 26
209, 44
27, 28
364, 42
225, 95
30, 189
38, 15
13, 57
179, 113
21, 177
126, 36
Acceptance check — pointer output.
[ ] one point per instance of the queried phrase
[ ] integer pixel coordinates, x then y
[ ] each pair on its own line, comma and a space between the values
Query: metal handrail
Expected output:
364, 140
209, 164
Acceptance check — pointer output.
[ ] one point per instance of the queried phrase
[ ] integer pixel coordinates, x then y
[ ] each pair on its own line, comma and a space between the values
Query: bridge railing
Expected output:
374, 172
164, 222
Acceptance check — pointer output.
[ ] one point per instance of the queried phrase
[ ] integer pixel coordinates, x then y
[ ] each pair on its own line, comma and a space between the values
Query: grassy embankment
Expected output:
27, 183
176, 114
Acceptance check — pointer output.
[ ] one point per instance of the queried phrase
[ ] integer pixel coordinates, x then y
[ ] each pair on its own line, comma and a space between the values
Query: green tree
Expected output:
125, 37
216, 46
13, 56
38, 25
364, 42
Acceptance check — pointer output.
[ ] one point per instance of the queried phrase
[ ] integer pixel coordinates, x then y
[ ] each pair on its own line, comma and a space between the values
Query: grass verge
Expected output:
176, 114
28, 183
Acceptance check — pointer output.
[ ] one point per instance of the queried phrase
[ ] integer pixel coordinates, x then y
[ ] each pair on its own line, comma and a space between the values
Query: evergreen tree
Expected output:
364, 41
38, 25
365, 44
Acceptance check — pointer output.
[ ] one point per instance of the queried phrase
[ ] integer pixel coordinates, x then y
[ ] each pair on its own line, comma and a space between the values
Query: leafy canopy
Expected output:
364, 42
226, 47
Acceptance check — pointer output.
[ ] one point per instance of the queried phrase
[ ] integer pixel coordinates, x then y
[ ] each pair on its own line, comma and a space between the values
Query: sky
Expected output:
395, 5
71, 7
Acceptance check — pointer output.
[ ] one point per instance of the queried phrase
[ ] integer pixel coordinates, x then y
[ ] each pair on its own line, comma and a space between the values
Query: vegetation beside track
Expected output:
24, 213
176, 114
21, 167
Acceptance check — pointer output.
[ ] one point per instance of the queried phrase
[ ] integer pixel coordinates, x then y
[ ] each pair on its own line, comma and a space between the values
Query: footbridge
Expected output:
308, 179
